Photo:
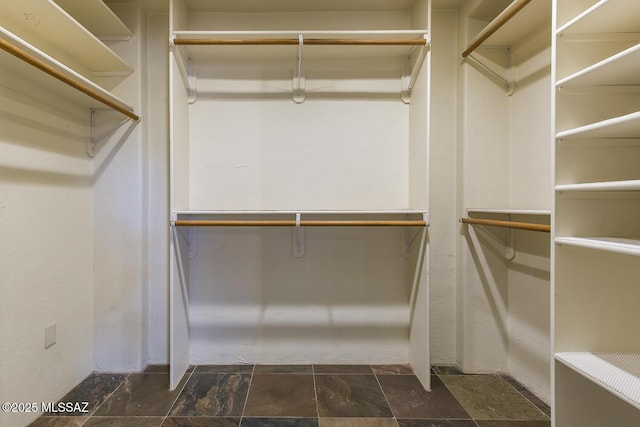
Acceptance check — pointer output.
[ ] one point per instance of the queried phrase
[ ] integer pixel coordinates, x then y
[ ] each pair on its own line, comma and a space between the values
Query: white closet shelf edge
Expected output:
630, 185
506, 211
618, 373
626, 246
626, 126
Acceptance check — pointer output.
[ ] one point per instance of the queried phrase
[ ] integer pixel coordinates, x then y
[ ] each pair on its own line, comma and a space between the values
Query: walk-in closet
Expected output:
319, 213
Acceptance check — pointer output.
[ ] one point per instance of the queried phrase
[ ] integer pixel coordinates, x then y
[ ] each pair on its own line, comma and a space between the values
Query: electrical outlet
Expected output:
49, 335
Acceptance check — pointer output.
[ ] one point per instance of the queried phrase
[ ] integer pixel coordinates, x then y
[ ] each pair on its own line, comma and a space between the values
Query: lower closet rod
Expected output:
304, 223
508, 224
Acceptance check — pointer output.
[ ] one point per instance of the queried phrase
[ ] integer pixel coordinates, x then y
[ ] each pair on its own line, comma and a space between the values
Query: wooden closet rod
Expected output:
289, 41
508, 224
43, 66
504, 17
304, 223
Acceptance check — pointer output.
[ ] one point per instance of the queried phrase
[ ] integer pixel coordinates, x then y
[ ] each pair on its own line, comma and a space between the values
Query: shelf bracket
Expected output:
509, 245
102, 126
509, 86
297, 238
409, 80
298, 78
186, 70
410, 237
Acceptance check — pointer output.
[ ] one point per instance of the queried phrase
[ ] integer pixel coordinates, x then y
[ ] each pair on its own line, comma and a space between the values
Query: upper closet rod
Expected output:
504, 17
32, 60
307, 223
291, 41
508, 224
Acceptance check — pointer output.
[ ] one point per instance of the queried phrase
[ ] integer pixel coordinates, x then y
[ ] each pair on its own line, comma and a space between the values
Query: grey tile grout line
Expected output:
385, 396
177, 394
315, 393
246, 399
126, 375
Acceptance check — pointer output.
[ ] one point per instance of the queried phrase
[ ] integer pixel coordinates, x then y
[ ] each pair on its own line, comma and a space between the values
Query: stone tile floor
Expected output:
301, 396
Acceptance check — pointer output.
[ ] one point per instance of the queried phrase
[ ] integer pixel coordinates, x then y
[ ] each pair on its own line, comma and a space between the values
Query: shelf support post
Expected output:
298, 79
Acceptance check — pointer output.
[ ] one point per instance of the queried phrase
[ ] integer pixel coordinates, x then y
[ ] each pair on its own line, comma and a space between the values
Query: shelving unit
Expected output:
75, 57
596, 125
348, 155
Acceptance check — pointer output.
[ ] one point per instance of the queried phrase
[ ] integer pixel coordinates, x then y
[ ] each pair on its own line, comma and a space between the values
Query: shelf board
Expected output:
618, 373
50, 28
96, 17
296, 5
38, 78
627, 246
629, 185
541, 212
289, 51
620, 69
605, 17
307, 218
627, 126
530, 19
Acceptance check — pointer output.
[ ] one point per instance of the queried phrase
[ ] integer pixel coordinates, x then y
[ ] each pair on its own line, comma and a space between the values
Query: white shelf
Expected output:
606, 16
627, 126
50, 28
96, 17
541, 212
296, 5
620, 69
628, 246
630, 185
28, 72
530, 19
619, 373
224, 52
366, 214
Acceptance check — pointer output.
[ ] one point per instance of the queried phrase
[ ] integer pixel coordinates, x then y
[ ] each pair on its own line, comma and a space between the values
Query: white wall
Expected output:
120, 210
442, 205
46, 244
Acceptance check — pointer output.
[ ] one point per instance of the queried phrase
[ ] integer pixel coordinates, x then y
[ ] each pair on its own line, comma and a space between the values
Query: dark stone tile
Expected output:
446, 370
162, 369
513, 423
283, 369
94, 390
539, 403
156, 369
201, 422
489, 397
408, 399
58, 422
281, 395
124, 422
392, 370
436, 423
351, 396
357, 422
223, 369
342, 369
279, 422
212, 395
141, 395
